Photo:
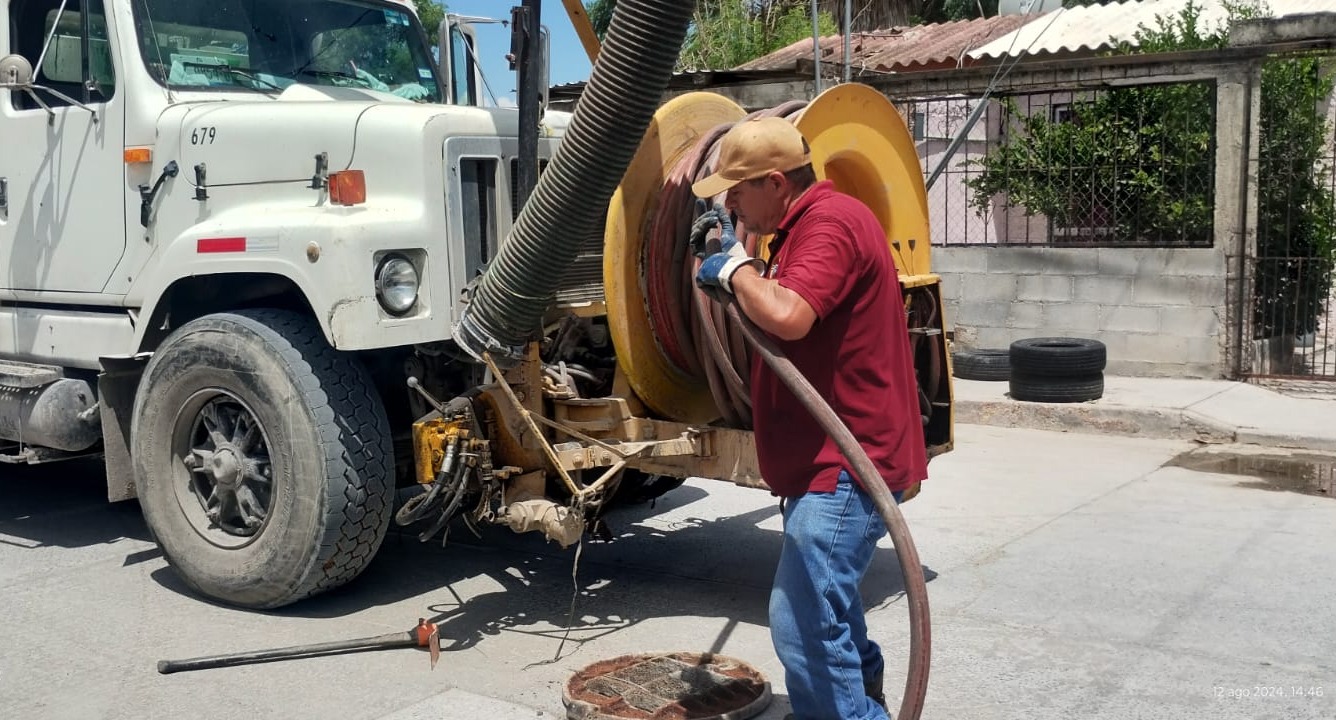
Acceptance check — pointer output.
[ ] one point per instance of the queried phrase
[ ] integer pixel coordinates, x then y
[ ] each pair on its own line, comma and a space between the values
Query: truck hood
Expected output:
253, 142
276, 140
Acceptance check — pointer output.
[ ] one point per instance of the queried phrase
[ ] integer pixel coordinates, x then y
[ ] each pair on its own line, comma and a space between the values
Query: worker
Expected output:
829, 295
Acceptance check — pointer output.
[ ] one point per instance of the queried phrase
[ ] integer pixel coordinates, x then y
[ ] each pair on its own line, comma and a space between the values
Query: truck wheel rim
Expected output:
226, 488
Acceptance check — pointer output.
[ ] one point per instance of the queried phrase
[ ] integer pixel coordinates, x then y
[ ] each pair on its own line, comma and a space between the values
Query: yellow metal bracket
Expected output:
614, 456
500, 379
430, 438
583, 28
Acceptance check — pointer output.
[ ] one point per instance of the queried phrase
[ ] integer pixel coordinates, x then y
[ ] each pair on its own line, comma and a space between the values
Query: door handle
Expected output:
4, 195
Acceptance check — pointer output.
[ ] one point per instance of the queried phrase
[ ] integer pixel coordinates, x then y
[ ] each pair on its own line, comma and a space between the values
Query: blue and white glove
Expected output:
705, 222
717, 268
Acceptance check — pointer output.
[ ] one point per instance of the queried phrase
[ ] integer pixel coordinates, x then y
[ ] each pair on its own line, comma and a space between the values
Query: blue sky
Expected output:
569, 62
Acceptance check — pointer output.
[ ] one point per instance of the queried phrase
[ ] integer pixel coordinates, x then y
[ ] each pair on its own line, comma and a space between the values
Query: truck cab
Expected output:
152, 129
301, 162
163, 156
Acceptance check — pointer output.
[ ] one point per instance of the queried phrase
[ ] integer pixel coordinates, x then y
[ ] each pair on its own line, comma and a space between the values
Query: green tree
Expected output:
600, 15
728, 33
1296, 224
431, 13
959, 9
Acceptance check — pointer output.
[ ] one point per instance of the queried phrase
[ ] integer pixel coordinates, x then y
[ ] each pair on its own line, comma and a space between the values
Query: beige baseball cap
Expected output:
752, 149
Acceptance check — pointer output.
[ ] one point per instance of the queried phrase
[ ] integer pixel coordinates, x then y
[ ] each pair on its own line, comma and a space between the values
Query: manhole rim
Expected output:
577, 709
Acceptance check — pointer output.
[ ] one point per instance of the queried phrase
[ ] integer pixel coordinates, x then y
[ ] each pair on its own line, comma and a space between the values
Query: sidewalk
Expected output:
1212, 411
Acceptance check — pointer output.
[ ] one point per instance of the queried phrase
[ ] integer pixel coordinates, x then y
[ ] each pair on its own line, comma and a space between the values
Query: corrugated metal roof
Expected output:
900, 48
1093, 28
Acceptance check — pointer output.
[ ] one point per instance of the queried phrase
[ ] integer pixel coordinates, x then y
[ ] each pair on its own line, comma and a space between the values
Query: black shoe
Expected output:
875, 692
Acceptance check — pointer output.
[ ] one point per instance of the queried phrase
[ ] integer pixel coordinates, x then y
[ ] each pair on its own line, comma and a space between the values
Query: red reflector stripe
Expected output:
220, 245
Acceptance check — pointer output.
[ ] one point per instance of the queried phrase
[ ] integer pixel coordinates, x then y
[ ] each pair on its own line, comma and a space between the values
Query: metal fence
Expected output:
1103, 167
1292, 325
1123, 152
1291, 303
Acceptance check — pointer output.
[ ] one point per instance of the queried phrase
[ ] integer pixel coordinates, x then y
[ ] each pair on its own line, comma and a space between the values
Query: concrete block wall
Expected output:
1160, 311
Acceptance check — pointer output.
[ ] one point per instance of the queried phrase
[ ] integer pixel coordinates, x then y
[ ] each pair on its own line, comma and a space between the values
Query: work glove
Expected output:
371, 81
411, 91
706, 221
717, 268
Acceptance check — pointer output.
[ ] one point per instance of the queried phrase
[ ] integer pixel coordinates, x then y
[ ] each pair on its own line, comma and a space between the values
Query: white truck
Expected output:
276, 201
241, 242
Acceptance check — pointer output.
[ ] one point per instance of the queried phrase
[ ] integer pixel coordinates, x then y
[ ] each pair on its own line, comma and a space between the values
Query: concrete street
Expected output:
1071, 576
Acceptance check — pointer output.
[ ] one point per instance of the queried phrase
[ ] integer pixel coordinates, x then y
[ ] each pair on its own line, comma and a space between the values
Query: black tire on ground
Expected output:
983, 364
1057, 390
290, 449
638, 487
1058, 357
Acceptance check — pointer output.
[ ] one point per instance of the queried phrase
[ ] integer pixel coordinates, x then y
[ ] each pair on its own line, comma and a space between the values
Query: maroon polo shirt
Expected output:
831, 250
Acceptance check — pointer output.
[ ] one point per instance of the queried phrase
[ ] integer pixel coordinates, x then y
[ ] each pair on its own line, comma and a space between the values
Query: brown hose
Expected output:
916, 588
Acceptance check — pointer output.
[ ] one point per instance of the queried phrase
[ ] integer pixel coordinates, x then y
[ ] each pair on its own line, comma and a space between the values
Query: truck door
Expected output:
63, 224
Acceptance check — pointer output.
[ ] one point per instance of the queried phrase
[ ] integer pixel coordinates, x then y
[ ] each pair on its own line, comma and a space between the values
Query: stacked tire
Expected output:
984, 364
1057, 369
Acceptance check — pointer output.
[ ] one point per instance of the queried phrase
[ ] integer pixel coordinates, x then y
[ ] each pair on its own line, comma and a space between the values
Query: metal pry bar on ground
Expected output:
424, 635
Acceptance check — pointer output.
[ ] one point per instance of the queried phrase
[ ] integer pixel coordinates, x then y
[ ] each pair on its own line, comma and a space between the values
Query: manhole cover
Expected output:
666, 686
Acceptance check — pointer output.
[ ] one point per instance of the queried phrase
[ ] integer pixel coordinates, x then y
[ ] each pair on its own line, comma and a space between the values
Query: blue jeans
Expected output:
816, 613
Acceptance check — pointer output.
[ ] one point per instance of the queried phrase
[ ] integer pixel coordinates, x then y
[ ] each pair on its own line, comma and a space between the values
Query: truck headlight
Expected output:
396, 284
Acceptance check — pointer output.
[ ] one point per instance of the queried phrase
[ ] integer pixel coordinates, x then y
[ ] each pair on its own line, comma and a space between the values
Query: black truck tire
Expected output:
1065, 357
983, 364
290, 450
1057, 390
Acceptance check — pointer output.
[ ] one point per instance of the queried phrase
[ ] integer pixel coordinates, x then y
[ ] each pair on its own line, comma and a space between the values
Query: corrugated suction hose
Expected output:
570, 202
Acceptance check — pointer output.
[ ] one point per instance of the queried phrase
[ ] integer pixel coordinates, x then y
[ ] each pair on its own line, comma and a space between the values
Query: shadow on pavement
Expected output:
653, 568
63, 504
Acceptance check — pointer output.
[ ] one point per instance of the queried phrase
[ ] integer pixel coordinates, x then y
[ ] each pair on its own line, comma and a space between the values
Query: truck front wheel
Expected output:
262, 457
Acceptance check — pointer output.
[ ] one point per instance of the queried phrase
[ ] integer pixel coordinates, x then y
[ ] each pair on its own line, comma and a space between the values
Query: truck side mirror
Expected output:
15, 72
455, 43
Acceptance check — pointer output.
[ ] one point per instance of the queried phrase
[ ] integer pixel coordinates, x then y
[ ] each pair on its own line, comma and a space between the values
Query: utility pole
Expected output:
848, 36
816, 44
525, 53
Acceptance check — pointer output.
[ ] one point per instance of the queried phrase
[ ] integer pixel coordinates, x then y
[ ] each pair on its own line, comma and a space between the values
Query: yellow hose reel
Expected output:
859, 141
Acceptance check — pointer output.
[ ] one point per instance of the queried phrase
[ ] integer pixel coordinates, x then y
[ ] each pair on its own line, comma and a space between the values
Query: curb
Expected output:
1155, 423
1158, 423
1252, 436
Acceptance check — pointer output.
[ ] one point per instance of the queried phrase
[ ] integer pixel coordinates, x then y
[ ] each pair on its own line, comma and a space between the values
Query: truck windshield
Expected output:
266, 45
